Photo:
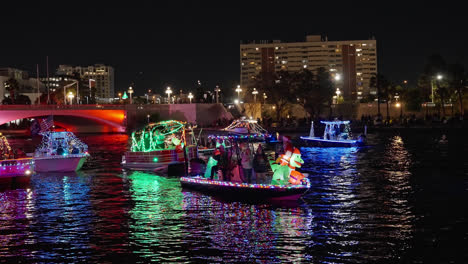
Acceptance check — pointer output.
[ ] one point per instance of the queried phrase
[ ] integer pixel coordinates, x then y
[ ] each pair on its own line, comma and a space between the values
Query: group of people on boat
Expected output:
239, 163
245, 163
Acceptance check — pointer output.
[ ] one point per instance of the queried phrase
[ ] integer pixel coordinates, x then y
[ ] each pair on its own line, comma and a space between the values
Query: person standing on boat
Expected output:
247, 164
224, 163
260, 165
215, 168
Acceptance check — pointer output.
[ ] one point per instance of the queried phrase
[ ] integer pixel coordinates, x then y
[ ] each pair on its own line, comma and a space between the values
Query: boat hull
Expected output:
320, 142
16, 167
244, 191
152, 160
59, 164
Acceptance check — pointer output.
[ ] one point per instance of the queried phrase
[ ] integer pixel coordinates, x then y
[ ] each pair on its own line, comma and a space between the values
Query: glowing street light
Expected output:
438, 78
168, 91
70, 97
238, 90
148, 116
217, 90
264, 97
190, 96
236, 101
337, 77
255, 92
130, 92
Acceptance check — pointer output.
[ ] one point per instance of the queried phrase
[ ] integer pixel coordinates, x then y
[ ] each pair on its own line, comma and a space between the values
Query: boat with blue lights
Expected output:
246, 191
13, 164
337, 133
60, 151
159, 147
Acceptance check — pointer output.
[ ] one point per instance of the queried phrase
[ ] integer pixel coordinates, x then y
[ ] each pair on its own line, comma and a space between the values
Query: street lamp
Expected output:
217, 90
238, 90
147, 95
130, 91
255, 92
337, 77
338, 92
438, 78
148, 116
168, 91
190, 96
70, 97
120, 96
264, 97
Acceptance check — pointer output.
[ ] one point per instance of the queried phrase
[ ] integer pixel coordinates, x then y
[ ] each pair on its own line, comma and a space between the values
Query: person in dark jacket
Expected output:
260, 165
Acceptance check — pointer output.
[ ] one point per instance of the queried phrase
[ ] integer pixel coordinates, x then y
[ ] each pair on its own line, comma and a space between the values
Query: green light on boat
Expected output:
155, 159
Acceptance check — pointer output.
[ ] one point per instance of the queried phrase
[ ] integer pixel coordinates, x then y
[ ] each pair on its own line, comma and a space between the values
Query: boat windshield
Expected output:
60, 143
337, 130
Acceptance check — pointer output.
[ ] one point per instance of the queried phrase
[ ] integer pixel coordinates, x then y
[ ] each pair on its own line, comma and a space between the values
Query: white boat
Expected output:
336, 134
60, 152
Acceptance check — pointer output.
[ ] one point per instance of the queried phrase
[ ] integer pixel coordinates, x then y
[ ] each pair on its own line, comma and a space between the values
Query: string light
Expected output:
200, 180
67, 140
153, 135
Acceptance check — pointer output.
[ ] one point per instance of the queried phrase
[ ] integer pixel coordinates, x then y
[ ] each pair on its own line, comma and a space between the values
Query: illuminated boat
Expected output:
60, 151
245, 191
10, 166
160, 147
243, 130
336, 134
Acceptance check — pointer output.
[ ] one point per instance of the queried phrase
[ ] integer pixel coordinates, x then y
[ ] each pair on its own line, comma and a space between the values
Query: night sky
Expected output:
155, 45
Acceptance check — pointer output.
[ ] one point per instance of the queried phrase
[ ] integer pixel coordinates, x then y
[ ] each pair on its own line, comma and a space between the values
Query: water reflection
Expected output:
354, 206
386, 203
155, 218
234, 231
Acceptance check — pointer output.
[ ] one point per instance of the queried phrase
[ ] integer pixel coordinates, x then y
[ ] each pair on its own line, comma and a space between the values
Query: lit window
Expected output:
305, 66
364, 44
276, 48
284, 62
256, 48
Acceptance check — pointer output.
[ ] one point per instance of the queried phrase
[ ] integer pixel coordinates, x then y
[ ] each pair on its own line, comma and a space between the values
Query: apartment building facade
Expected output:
102, 75
353, 61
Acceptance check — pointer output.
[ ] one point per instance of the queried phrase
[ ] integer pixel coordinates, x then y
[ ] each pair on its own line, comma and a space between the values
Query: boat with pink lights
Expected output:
13, 164
246, 191
60, 152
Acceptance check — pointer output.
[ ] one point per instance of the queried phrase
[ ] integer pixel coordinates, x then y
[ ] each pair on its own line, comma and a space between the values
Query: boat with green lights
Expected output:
159, 147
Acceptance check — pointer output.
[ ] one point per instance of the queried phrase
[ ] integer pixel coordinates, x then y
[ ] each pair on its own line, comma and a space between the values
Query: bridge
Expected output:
108, 118
114, 118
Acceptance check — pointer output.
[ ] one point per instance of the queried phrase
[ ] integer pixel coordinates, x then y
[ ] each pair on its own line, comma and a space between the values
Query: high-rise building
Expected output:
354, 61
102, 75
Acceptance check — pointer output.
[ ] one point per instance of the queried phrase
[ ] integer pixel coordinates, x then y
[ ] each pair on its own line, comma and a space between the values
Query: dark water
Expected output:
404, 199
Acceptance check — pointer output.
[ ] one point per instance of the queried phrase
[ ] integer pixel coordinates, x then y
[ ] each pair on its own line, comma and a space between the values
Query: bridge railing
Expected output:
61, 107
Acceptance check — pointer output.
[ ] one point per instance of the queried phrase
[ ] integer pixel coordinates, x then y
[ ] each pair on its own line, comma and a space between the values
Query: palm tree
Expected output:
458, 80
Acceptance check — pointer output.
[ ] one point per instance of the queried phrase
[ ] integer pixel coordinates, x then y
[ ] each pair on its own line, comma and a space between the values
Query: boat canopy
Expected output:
159, 136
244, 125
334, 131
60, 143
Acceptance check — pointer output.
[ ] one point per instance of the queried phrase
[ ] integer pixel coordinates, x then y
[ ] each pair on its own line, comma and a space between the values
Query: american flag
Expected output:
46, 123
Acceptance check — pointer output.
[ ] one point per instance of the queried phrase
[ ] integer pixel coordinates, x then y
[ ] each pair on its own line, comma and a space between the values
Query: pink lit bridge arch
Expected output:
112, 116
